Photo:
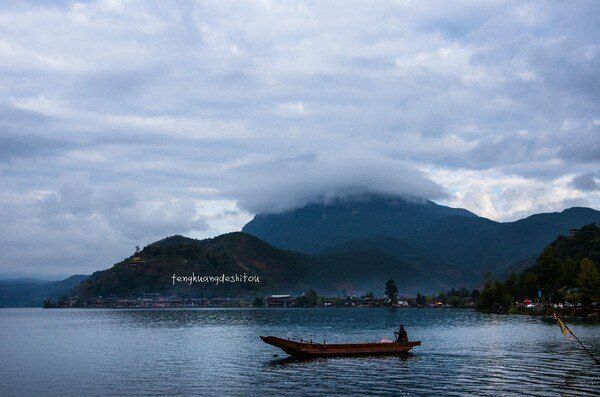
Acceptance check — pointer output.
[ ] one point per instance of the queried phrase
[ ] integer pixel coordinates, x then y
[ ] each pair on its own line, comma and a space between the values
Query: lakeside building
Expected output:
153, 301
278, 301
402, 303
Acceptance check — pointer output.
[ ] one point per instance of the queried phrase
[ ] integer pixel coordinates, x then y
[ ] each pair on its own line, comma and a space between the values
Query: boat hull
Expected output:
308, 350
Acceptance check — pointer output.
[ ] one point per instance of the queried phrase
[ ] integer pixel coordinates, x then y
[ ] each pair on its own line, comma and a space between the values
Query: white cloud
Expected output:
295, 109
507, 198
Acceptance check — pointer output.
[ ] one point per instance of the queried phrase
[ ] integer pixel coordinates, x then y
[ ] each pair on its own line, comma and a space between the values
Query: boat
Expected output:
304, 349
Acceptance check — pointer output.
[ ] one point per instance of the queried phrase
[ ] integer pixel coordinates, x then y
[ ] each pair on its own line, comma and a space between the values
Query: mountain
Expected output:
363, 271
433, 267
583, 243
355, 246
151, 270
316, 227
280, 271
567, 270
451, 246
481, 245
32, 292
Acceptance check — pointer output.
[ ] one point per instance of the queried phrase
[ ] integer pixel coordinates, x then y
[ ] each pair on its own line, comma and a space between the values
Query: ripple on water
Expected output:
216, 352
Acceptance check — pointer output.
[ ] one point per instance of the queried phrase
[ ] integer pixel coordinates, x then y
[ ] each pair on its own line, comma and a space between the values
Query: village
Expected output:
309, 299
455, 299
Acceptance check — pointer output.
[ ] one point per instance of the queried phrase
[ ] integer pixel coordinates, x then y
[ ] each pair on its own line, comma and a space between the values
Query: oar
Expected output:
577, 339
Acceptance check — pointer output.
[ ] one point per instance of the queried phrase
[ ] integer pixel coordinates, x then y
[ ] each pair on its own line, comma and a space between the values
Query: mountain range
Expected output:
31, 292
344, 245
152, 269
316, 227
452, 245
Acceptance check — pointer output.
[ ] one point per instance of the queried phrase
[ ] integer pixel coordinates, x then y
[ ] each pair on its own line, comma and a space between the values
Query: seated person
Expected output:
401, 335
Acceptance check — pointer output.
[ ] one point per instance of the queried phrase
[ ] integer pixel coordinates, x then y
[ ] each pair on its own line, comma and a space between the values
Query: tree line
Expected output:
568, 270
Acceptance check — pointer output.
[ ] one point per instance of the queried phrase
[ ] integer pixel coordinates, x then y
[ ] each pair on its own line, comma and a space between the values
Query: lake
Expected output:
103, 352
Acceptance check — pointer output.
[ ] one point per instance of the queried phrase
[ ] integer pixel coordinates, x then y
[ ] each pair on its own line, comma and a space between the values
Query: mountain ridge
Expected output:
28, 292
436, 248
466, 242
315, 227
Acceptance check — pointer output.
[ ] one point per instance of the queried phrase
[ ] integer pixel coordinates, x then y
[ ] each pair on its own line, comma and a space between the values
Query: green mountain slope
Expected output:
567, 270
152, 269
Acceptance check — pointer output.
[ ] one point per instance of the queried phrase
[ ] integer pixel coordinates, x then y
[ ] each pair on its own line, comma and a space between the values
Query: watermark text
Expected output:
216, 279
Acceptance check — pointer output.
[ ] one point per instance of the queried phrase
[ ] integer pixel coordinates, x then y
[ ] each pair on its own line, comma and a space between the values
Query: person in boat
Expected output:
401, 335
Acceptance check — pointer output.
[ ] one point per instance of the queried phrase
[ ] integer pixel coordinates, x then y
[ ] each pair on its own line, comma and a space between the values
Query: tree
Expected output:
511, 284
548, 270
455, 301
308, 299
63, 301
421, 299
312, 297
258, 302
442, 297
301, 301
391, 291
137, 249
588, 281
48, 304
494, 298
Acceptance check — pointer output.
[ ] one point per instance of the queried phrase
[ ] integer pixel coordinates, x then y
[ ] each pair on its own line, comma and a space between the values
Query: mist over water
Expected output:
218, 352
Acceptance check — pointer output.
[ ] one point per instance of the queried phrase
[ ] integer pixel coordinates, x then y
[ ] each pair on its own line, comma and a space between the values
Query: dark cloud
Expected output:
587, 182
23, 145
582, 145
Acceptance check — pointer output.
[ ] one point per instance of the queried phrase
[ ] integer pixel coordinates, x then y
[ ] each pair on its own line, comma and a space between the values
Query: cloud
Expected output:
126, 121
291, 109
587, 182
494, 195
279, 184
80, 226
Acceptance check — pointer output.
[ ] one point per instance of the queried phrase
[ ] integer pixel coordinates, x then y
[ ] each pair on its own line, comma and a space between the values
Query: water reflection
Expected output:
287, 360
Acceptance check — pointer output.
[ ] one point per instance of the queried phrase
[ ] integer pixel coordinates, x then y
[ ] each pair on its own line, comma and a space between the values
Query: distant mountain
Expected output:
517, 267
480, 244
451, 246
28, 292
316, 227
27, 280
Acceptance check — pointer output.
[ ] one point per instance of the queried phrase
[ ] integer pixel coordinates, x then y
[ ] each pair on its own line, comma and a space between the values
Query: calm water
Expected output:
218, 352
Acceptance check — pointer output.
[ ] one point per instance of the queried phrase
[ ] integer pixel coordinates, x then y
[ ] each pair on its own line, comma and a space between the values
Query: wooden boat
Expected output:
303, 349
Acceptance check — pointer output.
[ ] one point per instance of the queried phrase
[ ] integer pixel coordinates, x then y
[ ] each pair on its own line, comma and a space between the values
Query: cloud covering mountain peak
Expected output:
280, 184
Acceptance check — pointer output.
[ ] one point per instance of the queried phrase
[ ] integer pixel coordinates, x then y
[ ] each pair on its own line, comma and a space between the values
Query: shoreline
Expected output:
592, 316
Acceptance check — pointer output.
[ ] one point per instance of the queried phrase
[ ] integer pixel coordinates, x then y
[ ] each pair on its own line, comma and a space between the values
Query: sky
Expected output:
125, 122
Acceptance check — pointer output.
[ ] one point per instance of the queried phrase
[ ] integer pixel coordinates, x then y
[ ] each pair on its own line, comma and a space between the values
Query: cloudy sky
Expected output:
124, 122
